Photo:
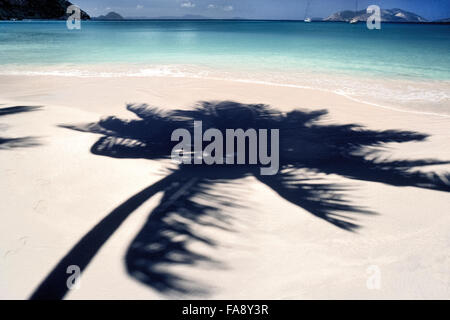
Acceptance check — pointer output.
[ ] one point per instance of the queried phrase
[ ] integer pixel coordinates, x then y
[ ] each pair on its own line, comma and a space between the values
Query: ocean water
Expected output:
402, 65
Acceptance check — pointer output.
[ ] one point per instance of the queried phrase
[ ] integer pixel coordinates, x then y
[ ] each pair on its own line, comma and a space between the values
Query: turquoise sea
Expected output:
404, 65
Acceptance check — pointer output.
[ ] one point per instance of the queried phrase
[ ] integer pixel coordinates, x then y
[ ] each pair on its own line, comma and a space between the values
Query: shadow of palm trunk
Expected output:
55, 284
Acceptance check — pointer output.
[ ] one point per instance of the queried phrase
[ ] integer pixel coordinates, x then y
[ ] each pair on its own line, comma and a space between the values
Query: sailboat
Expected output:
355, 20
307, 19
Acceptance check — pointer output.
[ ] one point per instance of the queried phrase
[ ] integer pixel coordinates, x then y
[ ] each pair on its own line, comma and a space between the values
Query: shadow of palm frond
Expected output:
22, 142
17, 109
165, 238
308, 149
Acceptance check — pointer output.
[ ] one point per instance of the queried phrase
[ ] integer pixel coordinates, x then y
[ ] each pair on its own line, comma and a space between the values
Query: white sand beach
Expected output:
55, 191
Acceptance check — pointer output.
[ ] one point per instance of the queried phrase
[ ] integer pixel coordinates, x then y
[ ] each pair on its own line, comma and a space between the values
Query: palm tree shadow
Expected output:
307, 148
22, 142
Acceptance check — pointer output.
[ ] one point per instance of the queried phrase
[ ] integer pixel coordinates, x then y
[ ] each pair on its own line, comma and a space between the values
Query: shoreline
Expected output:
414, 99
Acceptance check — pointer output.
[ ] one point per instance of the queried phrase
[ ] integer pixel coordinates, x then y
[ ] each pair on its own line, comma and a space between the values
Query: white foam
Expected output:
353, 89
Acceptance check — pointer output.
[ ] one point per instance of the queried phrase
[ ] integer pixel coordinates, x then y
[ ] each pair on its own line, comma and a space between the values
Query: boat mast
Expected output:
355, 20
308, 4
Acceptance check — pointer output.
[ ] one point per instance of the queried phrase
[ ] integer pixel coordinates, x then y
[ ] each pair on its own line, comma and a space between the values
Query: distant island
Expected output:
109, 16
36, 9
387, 15
446, 20
56, 10
185, 17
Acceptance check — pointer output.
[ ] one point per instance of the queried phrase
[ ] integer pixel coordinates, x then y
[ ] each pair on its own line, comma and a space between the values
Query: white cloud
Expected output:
139, 7
228, 8
188, 4
212, 6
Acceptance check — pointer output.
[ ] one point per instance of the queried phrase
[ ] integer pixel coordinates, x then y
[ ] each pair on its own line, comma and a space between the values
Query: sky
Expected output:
257, 9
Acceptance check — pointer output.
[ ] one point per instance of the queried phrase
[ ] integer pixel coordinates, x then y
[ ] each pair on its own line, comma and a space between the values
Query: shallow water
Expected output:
403, 65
